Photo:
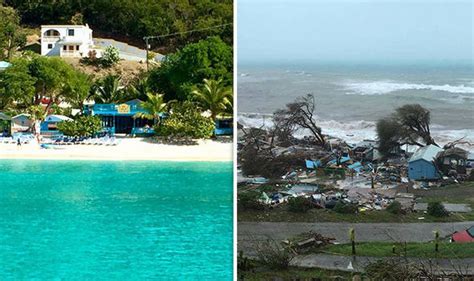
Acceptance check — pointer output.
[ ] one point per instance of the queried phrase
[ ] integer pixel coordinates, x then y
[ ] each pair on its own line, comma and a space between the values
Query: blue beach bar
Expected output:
120, 118
224, 126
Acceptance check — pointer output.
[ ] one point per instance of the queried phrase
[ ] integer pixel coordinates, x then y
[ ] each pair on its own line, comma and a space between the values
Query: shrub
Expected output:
395, 208
91, 58
391, 270
186, 120
249, 201
299, 204
81, 126
436, 209
110, 56
271, 254
345, 208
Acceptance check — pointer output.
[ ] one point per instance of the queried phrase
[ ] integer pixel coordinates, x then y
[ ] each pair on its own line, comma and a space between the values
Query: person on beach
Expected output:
18, 142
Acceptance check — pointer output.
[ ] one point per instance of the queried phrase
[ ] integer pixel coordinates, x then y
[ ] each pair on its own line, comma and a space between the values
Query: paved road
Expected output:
357, 264
250, 232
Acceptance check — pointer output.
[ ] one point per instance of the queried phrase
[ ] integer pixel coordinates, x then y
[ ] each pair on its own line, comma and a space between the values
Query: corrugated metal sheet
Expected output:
427, 153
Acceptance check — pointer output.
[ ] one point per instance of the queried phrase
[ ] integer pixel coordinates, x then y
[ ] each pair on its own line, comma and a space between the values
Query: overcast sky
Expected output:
345, 30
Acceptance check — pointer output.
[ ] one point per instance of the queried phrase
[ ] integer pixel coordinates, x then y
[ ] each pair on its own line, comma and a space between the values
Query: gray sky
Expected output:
345, 30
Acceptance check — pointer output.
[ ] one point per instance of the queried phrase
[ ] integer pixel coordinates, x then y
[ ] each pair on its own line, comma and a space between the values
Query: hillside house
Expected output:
66, 40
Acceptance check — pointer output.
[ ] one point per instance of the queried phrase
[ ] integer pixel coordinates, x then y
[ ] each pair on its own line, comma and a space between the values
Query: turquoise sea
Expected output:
89, 220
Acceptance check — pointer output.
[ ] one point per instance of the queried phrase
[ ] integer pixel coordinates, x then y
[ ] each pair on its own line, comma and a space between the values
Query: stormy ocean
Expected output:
351, 97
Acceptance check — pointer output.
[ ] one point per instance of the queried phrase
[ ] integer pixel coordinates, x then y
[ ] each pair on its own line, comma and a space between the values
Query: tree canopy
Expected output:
131, 20
409, 124
181, 71
11, 34
36, 80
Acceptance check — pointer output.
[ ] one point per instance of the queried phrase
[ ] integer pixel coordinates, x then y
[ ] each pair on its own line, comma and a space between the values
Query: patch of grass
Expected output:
453, 193
422, 250
281, 214
294, 273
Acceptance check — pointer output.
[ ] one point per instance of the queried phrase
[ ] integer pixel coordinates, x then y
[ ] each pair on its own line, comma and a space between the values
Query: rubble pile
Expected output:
357, 173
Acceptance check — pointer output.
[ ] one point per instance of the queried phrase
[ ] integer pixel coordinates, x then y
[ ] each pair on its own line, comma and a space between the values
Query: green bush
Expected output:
299, 204
249, 201
345, 208
395, 208
436, 209
186, 120
391, 270
110, 56
81, 126
272, 254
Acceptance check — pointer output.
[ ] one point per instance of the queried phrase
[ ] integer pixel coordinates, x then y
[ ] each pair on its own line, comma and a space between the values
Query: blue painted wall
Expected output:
422, 170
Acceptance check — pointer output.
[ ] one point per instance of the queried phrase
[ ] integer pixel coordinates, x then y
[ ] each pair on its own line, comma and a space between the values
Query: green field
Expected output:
293, 273
421, 250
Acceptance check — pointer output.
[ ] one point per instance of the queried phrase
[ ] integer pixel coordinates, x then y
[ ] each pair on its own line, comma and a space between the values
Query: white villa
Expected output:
66, 40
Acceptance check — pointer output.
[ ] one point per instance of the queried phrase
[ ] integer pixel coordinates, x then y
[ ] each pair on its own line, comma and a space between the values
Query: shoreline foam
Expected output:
357, 130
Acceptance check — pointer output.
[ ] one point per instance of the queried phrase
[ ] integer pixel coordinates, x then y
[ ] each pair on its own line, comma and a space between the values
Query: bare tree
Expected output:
300, 115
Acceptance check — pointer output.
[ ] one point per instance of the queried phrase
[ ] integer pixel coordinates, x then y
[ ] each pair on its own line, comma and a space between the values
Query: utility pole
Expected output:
147, 38
147, 47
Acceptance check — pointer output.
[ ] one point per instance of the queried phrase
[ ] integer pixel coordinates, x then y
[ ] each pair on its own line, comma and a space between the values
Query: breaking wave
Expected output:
355, 131
386, 87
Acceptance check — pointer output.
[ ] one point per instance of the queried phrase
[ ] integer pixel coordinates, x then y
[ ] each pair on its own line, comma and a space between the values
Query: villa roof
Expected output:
64, 25
21, 115
56, 118
427, 153
134, 101
70, 40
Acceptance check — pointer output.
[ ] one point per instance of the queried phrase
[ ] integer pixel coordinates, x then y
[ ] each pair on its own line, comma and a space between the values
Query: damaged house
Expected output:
452, 161
367, 150
422, 165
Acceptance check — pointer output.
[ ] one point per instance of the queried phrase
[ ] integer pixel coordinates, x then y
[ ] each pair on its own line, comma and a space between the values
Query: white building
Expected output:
66, 40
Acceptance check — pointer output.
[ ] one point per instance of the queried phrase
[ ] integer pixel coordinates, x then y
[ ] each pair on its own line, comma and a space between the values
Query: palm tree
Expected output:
153, 106
139, 89
214, 97
108, 90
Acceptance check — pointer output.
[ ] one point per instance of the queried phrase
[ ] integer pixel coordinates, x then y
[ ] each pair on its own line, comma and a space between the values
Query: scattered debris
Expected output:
308, 241
357, 174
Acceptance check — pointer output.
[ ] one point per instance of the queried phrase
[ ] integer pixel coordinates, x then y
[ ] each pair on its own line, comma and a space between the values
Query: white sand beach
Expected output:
127, 149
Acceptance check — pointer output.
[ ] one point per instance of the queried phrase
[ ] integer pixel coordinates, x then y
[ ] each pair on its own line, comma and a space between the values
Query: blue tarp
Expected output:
310, 164
343, 160
357, 166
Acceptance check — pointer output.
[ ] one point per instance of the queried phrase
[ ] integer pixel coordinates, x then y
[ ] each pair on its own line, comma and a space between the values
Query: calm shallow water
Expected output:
115, 220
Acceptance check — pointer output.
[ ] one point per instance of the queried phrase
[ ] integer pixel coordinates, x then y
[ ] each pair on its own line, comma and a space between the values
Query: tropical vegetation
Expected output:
214, 97
154, 107
183, 95
81, 126
131, 20
186, 120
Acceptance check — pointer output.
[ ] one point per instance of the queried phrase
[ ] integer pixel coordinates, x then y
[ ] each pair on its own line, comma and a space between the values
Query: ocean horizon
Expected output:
352, 96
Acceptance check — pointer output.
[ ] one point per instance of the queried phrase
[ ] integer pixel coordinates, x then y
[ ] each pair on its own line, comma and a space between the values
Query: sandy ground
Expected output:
127, 149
